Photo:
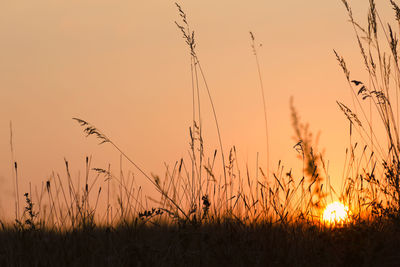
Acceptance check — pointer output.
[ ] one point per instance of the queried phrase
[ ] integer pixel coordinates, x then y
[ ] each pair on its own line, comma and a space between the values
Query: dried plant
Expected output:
254, 47
383, 84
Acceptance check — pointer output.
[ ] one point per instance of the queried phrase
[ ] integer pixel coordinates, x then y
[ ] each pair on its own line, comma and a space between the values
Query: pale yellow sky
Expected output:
123, 66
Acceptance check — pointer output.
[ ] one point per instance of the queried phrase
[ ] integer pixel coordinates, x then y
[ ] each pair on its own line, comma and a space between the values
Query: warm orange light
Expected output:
336, 212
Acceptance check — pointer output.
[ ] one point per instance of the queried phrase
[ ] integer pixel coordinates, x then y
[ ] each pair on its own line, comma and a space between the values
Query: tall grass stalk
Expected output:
188, 36
14, 171
254, 46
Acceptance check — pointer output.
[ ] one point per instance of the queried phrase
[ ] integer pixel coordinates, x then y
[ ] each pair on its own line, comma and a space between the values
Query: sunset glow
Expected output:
335, 212
199, 133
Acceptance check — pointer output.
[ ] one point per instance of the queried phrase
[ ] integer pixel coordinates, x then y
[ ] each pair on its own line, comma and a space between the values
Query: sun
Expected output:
336, 212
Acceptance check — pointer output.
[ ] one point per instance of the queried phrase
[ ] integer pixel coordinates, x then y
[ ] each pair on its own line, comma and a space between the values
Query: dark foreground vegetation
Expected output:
219, 244
212, 213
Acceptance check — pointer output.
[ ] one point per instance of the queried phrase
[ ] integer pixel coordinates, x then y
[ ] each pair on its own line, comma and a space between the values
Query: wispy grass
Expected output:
380, 91
255, 46
188, 36
209, 216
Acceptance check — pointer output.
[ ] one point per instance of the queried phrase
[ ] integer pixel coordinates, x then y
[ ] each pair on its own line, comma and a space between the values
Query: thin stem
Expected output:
263, 99
216, 124
14, 173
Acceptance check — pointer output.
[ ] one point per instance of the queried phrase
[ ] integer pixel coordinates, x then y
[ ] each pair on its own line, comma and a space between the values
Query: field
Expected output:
209, 212
225, 243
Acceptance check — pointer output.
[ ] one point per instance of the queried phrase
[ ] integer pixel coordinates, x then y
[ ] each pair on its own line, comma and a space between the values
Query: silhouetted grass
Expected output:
207, 215
218, 244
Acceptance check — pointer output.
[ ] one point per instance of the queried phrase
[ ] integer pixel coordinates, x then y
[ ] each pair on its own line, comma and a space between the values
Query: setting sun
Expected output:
335, 212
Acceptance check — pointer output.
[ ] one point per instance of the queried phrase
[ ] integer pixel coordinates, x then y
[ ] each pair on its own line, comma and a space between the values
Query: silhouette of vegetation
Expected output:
208, 214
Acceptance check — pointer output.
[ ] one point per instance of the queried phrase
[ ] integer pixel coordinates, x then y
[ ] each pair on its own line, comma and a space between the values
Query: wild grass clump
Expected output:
209, 211
204, 189
373, 186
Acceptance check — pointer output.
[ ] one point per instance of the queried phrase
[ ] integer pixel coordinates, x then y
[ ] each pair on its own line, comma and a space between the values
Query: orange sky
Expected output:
123, 66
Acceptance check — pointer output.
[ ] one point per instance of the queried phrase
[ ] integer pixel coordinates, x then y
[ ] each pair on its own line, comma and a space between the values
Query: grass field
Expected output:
219, 244
212, 213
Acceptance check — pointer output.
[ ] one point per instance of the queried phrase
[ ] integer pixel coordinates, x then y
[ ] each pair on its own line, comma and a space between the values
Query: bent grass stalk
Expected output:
254, 47
89, 129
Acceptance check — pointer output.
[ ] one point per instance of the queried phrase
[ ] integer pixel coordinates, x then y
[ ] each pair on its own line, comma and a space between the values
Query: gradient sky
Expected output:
123, 66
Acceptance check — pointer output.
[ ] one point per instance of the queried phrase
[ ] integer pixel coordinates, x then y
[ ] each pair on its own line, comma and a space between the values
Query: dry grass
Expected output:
210, 215
219, 244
